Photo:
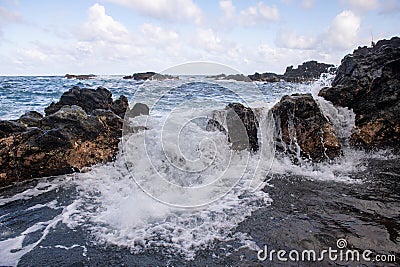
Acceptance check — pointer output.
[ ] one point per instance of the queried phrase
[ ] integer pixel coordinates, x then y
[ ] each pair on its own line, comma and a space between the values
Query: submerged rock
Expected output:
78, 131
368, 81
302, 129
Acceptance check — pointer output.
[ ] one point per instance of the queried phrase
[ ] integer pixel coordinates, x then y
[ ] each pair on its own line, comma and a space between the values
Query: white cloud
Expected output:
206, 39
33, 54
259, 13
228, 8
173, 10
343, 31
361, 5
307, 4
102, 27
291, 40
156, 34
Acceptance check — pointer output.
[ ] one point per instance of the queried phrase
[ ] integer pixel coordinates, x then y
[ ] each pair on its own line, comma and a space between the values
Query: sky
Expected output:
47, 37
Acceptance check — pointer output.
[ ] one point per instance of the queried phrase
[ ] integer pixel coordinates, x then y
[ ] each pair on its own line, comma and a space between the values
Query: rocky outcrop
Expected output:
239, 123
302, 130
80, 77
80, 130
89, 100
265, 77
143, 76
368, 81
233, 77
308, 71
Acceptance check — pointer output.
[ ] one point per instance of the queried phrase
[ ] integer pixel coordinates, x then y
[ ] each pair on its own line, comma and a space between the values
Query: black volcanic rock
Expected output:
302, 128
143, 76
31, 119
242, 127
308, 71
89, 100
368, 81
80, 77
78, 131
265, 77
239, 123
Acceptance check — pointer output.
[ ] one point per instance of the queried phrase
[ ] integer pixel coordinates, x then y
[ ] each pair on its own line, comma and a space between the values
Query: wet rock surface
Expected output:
368, 81
239, 123
302, 129
78, 131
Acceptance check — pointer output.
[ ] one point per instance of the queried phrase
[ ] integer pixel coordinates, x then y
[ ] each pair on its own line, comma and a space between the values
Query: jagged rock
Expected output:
368, 81
143, 76
234, 77
89, 100
8, 128
80, 77
120, 106
137, 110
66, 140
239, 123
31, 119
309, 70
303, 130
265, 77
213, 125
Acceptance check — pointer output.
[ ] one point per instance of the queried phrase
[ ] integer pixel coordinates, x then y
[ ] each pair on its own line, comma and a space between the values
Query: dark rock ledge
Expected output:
368, 81
82, 129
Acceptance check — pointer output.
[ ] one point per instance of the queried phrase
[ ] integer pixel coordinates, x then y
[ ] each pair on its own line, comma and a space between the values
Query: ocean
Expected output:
128, 212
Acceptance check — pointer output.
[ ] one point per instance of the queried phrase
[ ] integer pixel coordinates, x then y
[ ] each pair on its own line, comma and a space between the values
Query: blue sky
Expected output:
47, 37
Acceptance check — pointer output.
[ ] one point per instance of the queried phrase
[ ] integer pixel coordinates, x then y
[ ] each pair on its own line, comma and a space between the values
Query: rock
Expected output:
242, 127
213, 125
63, 141
89, 100
239, 123
302, 129
80, 77
31, 119
143, 76
310, 70
8, 128
120, 106
137, 110
234, 77
265, 77
368, 81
